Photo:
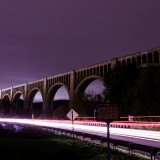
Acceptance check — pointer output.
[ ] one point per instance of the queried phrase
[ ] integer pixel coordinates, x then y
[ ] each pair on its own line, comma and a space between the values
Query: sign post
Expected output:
72, 115
108, 113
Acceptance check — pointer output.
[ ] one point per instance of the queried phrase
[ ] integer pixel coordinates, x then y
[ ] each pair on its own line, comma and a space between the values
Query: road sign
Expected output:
107, 112
72, 114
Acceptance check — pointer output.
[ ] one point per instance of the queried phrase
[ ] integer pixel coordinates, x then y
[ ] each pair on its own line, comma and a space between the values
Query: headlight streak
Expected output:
125, 132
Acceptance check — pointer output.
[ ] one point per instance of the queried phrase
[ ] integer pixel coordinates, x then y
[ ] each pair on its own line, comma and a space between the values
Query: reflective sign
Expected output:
72, 114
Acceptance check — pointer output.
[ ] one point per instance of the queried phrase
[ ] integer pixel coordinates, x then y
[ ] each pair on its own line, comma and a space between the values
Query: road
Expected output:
145, 137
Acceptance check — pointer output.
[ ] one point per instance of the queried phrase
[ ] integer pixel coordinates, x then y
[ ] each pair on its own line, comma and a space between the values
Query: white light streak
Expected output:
67, 124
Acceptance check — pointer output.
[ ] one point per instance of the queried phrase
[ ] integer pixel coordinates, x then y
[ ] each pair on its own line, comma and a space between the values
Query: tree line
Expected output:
136, 90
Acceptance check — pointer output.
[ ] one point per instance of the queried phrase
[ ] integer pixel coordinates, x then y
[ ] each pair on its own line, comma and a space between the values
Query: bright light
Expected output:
67, 124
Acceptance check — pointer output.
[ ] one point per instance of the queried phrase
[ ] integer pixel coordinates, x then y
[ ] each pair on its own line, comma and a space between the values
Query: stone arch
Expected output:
85, 98
94, 70
81, 73
6, 105
101, 71
150, 60
109, 66
85, 82
30, 99
97, 70
139, 60
144, 59
133, 60
118, 63
123, 62
17, 104
88, 73
105, 69
6, 94
85, 71
156, 57
51, 94
91, 71
128, 61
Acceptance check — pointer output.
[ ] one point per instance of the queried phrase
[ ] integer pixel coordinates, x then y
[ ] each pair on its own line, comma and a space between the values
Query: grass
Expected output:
26, 145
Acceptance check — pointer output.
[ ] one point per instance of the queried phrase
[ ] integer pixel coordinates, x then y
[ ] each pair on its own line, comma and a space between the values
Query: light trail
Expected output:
145, 135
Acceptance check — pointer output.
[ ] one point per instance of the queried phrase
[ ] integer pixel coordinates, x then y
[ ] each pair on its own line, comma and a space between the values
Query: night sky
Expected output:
42, 38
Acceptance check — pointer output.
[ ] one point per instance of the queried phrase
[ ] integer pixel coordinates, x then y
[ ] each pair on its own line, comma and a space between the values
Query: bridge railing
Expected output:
128, 118
142, 118
86, 118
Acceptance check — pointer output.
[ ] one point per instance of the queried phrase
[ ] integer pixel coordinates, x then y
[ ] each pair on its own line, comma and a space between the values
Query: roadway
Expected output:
138, 136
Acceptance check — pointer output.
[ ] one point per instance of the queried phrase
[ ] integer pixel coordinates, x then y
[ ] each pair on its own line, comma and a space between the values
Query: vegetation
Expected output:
34, 143
146, 92
85, 101
135, 90
119, 83
61, 108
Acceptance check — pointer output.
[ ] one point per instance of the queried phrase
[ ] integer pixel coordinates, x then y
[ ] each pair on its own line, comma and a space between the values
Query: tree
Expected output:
60, 112
85, 103
147, 92
119, 84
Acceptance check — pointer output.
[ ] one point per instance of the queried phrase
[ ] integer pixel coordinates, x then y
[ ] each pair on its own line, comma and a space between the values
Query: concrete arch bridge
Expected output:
74, 81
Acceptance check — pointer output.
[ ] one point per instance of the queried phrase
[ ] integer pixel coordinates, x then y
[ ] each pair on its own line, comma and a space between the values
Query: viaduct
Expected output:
74, 81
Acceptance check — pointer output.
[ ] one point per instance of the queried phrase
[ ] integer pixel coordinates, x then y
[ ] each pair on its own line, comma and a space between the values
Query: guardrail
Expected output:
152, 151
142, 118
128, 118
115, 143
123, 124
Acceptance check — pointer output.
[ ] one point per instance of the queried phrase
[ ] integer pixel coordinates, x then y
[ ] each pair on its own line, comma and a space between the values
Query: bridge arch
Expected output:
31, 108
133, 60
17, 103
85, 82
6, 95
144, 59
150, 59
6, 104
88, 94
139, 60
52, 92
51, 95
156, 57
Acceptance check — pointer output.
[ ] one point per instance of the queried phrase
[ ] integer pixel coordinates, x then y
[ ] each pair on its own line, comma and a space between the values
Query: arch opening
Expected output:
95, 89
88, 96
150, 58
5, 106
18, 105
58, 102
156, 57
36, 104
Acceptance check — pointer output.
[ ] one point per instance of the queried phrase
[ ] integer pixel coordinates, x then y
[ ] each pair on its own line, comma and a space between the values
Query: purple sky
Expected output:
40, 38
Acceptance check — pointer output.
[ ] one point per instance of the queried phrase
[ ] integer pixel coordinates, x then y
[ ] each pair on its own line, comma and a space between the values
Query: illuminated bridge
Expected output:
74, 81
